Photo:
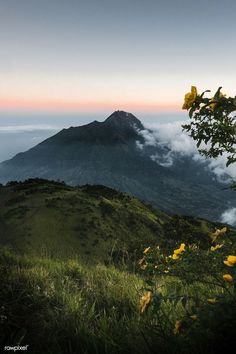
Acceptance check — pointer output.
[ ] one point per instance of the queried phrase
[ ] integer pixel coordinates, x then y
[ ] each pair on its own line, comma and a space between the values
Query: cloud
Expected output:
165, 160
36, 139
218, 166
16, 129
171, 136
229, 217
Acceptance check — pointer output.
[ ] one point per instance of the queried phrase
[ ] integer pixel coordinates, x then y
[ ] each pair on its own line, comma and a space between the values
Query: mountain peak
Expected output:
120, 127
124, 119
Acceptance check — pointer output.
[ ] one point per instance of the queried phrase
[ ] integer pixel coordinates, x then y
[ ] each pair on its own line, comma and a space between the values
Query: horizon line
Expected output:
85, 106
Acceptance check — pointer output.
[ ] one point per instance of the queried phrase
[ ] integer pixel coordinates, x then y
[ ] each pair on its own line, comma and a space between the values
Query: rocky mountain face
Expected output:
107, 153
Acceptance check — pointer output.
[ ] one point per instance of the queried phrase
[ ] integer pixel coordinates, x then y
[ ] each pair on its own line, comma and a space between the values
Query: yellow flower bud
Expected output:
214, 102
146, 250
145, 301
178, 327
216, 247
218, 233
228, 278
212, 301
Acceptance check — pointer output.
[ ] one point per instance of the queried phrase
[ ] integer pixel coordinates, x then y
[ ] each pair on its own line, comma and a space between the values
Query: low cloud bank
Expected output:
171, 135
229, 217
15, 129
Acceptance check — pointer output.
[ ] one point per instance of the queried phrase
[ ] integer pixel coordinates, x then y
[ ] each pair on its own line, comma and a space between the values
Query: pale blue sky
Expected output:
115, 54
98, 56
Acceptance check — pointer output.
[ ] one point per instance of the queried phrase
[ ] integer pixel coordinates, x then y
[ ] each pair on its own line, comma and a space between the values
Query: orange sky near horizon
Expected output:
96, 56
16, 104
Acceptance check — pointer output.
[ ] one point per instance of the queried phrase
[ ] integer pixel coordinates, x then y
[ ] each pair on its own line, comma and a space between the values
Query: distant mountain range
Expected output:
107, 153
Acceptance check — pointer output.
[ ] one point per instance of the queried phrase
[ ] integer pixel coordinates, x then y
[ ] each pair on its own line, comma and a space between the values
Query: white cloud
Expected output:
27, 128
229, 217
165, 160
36, 139
171, 135
139, 145
149, 137
218, 166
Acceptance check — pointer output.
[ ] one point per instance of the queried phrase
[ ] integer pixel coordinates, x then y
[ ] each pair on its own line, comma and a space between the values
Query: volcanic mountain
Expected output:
107, 153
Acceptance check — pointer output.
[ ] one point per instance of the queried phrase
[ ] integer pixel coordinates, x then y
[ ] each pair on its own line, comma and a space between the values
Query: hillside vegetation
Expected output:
95, 223
88, 269
65, 307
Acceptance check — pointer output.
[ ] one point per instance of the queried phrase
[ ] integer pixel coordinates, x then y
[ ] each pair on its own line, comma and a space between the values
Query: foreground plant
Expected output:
212, 123
198, 269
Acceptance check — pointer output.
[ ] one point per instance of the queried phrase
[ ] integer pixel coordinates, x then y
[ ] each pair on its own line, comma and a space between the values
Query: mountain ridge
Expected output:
106, 153
93, 222
119, 122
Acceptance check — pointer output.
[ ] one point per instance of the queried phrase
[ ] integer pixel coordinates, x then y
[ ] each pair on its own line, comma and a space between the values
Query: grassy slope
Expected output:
65, 308
92, 222
65, 221
54, 301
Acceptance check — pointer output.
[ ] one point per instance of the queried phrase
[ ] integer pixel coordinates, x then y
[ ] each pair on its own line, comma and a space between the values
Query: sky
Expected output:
102, 55
68, 62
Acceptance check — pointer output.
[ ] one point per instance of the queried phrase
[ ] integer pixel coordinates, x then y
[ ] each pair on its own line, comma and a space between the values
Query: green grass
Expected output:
70, 307
66, 307
94, 223
90, 222
69, 278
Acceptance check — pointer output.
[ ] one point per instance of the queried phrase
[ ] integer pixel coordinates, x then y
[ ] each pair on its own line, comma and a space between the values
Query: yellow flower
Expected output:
218, 233
144, 266
143, 263
174, 256
228, 278
145, 301
212, 301
178, 251
178, 327
216, 247
146, 250
182, 247
214, 102
193, 317
189, 98
231, 261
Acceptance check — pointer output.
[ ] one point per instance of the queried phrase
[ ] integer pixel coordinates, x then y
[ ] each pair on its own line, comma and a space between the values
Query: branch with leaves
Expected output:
212, 123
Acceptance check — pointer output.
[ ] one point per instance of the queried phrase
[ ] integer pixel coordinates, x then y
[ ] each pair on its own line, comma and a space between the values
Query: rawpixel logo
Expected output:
16, 348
